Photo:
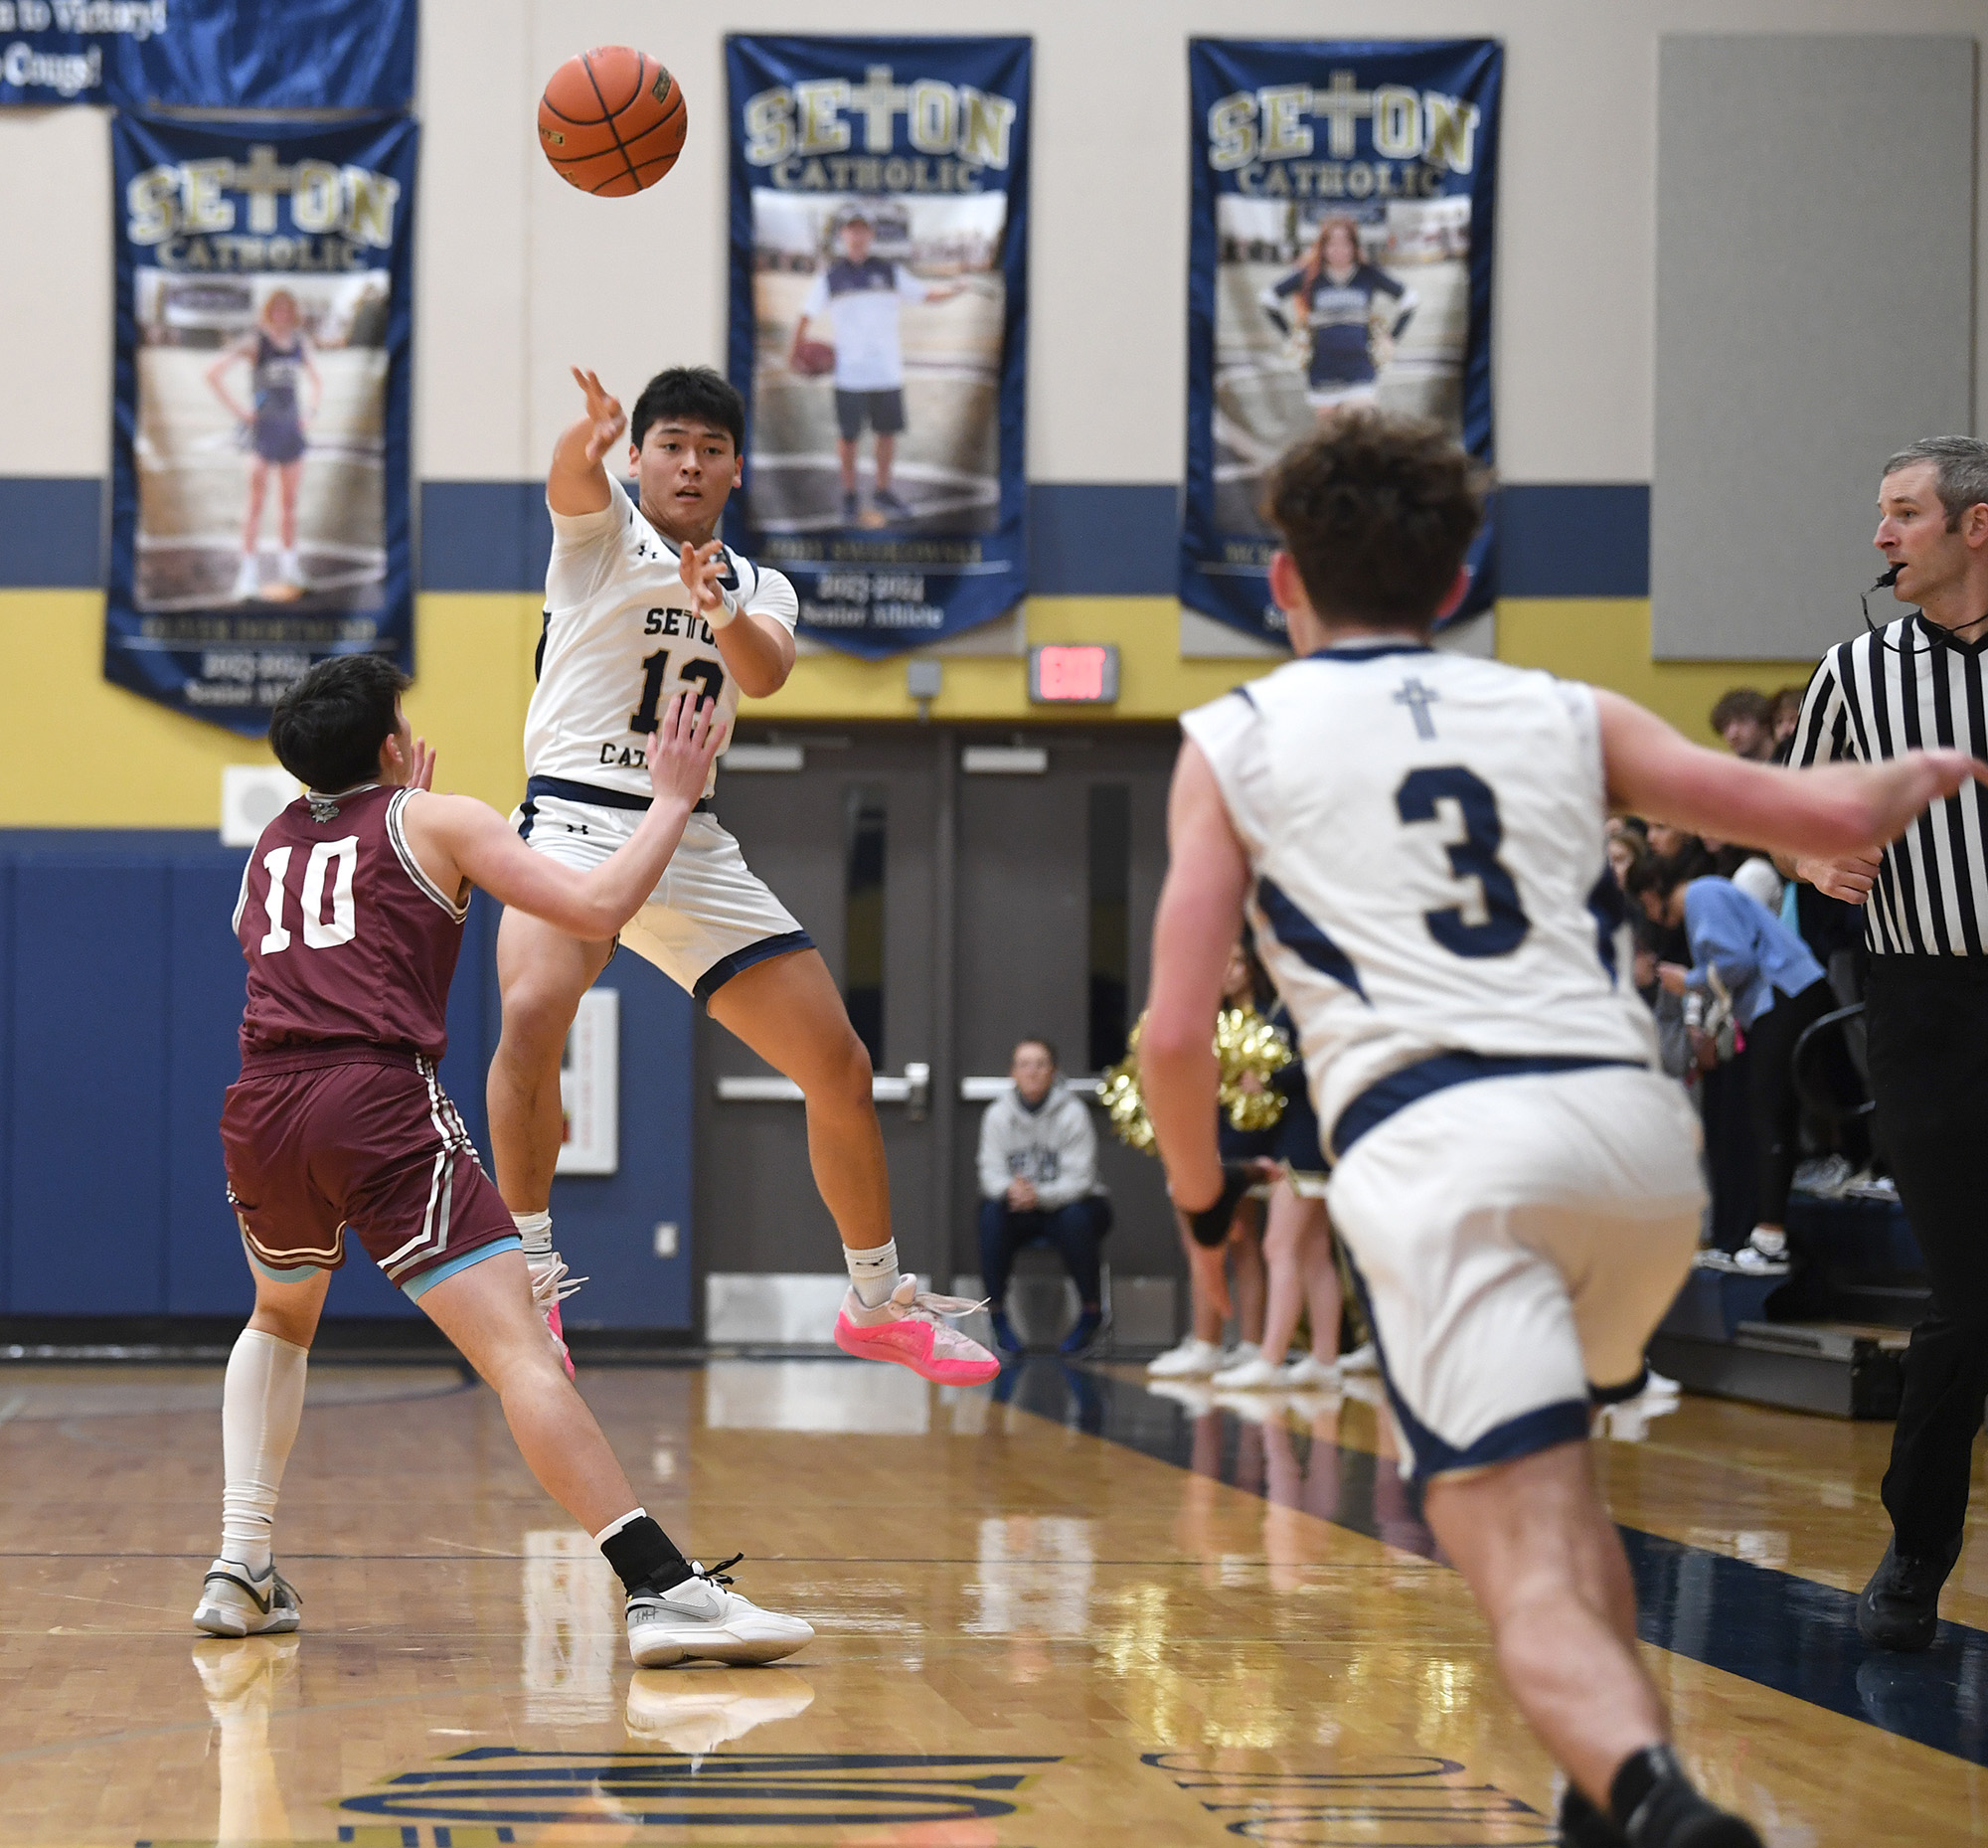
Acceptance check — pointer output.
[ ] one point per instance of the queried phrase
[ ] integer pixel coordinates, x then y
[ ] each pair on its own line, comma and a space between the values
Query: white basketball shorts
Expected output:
709, 916
1516, 1240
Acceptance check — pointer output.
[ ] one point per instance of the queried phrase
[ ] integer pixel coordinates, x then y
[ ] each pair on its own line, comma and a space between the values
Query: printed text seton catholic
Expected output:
805, 133
188, 212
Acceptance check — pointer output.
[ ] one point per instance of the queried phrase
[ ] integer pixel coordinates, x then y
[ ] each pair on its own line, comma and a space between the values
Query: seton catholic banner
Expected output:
879, 312
259, 453
209, 54
1339, 254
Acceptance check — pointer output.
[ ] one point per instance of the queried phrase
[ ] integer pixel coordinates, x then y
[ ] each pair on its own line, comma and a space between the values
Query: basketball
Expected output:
612, 121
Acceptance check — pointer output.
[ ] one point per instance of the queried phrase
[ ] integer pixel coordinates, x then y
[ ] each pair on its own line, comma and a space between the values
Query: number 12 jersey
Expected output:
621, 637
1426, 839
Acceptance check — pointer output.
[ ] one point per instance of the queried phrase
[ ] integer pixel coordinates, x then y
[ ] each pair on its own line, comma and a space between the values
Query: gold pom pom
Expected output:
1248, 1050
1118, 1091
1251, 1052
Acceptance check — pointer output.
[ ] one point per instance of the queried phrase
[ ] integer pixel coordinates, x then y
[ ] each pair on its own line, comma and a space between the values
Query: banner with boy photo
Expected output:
1339, 255
259, 487
879, 308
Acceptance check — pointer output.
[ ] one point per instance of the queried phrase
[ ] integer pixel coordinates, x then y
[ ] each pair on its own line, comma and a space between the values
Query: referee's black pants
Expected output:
1927, 1024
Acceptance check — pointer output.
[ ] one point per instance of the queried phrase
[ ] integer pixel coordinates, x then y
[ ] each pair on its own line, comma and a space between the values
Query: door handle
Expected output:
912, 1089
984, 1089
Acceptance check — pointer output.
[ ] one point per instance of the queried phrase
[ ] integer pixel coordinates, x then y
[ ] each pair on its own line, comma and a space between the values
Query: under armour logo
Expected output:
1418, 699
321, 810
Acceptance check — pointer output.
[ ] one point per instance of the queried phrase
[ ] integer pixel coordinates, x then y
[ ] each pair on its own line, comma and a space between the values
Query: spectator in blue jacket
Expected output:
1743, 957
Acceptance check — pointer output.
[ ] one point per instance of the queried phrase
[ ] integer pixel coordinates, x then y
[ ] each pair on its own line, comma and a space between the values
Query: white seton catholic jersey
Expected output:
621, 637
1431, 889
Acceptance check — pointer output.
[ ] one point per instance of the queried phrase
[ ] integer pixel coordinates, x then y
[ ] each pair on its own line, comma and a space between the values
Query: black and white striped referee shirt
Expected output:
1905, 686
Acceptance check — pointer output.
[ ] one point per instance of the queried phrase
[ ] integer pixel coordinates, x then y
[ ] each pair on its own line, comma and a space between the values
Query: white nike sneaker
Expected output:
1259, 1374
550, 1286
1362, 1359
234, 1604
700, 1620
1191, 1360
1240, 1354
248, 578
288, 572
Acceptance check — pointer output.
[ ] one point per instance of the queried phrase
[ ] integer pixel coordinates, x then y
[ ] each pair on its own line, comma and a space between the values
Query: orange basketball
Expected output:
612, 121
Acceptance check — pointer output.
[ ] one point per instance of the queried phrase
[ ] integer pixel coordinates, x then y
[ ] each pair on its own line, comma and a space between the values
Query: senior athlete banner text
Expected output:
259, 454
1340, 254
878, 304
209, 54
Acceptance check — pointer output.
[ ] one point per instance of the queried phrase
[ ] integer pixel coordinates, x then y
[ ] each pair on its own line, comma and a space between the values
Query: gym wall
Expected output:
518, 276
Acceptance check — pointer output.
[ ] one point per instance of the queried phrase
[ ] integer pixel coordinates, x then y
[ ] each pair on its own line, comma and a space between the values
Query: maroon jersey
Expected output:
347, 938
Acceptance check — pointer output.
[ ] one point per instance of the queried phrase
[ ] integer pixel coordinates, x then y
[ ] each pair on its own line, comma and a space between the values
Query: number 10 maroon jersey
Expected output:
347, 938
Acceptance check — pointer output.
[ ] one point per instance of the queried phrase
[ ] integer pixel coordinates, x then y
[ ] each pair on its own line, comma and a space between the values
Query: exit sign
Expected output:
1074, 674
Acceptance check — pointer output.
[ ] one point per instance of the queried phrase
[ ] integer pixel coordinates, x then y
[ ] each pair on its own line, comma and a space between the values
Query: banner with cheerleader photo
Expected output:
259, 485
1339, 254
879, 308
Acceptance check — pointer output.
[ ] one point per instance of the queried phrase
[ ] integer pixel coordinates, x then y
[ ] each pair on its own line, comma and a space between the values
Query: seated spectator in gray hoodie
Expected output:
1037, 1180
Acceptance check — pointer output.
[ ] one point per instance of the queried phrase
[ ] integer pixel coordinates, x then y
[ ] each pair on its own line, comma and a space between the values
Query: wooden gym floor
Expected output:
1072, 1612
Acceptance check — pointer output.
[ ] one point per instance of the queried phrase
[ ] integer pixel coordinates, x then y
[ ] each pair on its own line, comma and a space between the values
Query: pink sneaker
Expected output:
550, 1287
907, 1329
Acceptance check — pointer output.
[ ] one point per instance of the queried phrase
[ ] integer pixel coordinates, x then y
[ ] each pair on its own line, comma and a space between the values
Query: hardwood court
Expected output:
1072, 1612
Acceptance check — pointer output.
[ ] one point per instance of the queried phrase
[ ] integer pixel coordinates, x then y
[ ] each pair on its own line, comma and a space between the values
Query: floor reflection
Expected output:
241, 1680
573, 1630
697, 1710
1729, 1607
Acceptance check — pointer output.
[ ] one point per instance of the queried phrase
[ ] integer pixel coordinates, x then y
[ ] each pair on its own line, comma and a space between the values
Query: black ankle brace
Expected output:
644, 1558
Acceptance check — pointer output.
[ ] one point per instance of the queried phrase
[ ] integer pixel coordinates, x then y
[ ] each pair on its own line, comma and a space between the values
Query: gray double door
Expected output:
966, 890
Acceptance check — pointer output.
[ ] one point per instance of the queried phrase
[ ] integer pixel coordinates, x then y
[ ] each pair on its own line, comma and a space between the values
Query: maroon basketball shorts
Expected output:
317, 1142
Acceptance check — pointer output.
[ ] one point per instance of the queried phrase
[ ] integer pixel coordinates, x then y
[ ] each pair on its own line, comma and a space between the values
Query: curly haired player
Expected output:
1418, 841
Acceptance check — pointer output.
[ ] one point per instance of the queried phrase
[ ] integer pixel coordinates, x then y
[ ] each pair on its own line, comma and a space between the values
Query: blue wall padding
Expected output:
120, 991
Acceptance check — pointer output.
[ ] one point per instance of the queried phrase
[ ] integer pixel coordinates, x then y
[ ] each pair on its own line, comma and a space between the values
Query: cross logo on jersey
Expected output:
1418, 699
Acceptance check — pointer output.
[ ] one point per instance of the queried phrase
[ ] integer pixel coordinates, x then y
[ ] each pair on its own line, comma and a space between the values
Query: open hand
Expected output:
683, 748
423, 774
604, 412
700, 568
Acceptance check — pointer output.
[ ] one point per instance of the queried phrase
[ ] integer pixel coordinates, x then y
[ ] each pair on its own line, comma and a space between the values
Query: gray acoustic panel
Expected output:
1815, 259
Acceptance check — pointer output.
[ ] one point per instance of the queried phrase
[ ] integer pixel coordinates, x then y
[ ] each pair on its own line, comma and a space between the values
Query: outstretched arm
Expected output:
1838, 809
459, 840
577, 482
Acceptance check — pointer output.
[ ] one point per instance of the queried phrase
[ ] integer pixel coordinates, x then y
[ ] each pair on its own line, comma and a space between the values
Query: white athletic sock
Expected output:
536, 1229
614, 1527
872, 1273
259, 1407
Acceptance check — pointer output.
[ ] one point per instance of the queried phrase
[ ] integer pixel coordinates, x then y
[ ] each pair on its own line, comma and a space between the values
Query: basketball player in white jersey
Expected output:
1417, 839
641, 600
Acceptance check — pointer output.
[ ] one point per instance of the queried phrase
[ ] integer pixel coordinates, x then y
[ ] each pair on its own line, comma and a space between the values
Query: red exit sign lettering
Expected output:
1074, 674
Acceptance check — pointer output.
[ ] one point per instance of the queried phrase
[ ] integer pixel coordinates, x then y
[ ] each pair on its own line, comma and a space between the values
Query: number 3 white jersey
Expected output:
1425, 833
621, 637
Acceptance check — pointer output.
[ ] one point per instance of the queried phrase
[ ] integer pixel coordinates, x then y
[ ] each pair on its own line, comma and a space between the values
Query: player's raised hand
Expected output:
423, 774
683, 747
604, 412
700, 568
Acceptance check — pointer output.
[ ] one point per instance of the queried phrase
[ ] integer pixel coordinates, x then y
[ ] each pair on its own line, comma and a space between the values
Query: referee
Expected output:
1920, 681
